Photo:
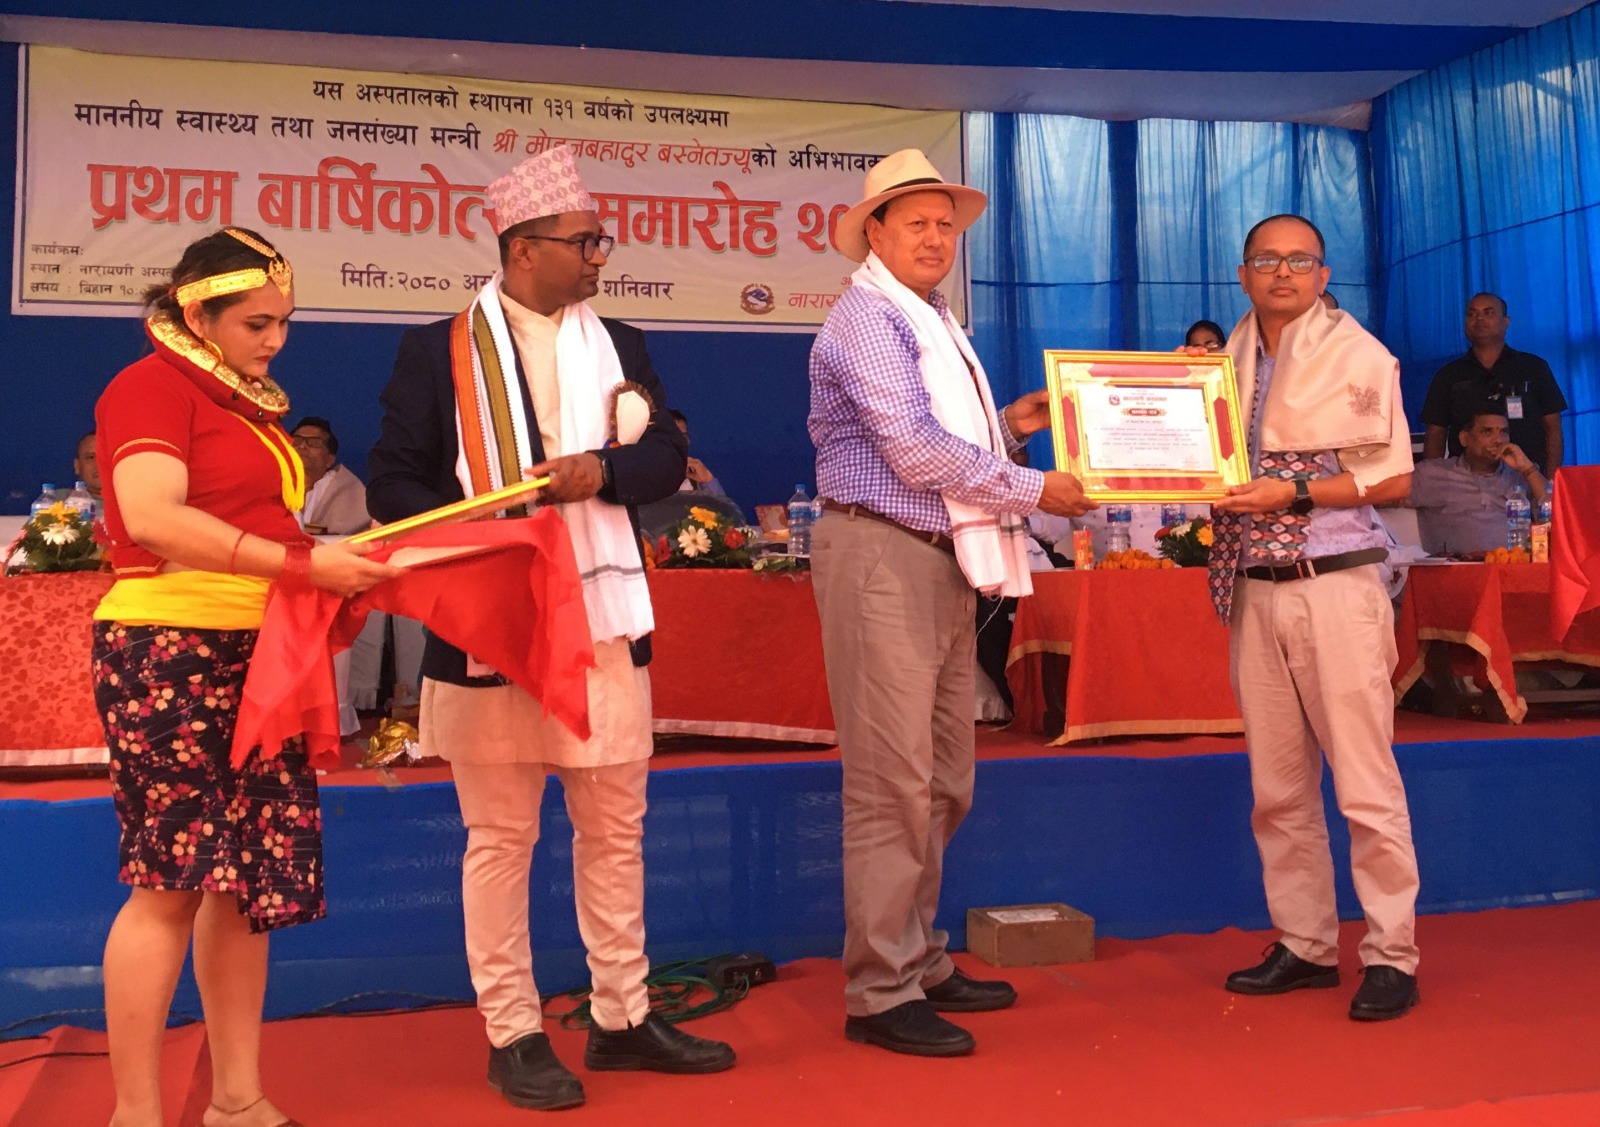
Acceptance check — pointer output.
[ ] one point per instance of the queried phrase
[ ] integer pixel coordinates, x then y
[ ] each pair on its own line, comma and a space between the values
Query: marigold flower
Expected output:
704, 516
1205, 536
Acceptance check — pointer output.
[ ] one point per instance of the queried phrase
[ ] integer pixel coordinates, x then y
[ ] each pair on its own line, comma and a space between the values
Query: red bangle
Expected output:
233, 556
296, 573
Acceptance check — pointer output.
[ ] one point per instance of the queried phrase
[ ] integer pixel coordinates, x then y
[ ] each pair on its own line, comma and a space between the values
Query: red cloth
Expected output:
1574, 547
738, 654
1503, 612
1148, 654
517, 607
47, 711
166, 405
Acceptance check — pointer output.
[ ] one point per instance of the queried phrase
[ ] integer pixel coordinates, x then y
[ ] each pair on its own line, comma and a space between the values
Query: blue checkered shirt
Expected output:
878, 444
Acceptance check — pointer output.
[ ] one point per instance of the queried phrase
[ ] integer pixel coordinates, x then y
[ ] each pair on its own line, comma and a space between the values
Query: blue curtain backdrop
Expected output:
1120, 235
1488, 177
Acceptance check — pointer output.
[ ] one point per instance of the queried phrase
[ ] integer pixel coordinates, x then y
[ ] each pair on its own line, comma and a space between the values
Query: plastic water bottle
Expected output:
1173, 515
1539, 546
80, 501
1119, 526
45, 499
1519, 521
801, 516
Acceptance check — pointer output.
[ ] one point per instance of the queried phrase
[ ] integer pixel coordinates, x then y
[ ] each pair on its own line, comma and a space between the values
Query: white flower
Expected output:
58, 535
694, 542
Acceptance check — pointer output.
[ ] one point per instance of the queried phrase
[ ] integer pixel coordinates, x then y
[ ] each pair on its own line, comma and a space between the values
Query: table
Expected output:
1147, 655
738, 654
47, 713
1500, 611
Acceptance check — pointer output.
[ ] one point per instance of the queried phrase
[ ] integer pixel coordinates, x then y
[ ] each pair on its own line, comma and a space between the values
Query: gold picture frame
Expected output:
472, 508
1119, 418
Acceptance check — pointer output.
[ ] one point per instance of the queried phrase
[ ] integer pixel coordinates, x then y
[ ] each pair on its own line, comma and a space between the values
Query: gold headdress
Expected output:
278, 272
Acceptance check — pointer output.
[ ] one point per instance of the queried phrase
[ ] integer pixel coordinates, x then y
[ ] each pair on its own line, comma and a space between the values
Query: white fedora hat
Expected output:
900, 174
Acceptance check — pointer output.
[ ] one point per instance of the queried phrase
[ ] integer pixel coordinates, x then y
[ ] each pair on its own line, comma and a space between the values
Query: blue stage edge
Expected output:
748, 858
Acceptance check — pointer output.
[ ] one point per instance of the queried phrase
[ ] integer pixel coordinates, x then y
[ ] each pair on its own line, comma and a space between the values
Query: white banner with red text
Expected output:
372, 185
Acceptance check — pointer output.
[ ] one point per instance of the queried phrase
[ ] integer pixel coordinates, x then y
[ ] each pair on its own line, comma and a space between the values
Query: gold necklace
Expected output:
263, 393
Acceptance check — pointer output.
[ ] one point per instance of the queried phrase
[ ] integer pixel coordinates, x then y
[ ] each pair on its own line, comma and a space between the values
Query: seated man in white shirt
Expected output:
1461, 500
336, 501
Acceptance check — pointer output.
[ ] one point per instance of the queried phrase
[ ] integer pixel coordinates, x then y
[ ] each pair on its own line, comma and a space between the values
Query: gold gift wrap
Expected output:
485, 504
393, 740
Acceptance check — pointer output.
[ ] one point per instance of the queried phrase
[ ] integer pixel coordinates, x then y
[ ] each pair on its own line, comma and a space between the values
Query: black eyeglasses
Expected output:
1298, 263
586, 244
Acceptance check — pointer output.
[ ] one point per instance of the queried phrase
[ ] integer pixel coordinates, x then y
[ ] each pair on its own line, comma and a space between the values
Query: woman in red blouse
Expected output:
202, 485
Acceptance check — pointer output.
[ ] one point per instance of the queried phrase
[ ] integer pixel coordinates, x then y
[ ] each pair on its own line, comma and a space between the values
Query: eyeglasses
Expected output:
586, 244
1298, 263
311, 440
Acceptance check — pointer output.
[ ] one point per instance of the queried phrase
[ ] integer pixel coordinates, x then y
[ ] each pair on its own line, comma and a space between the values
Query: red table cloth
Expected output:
1574, 547
1501, 611
1148, 656
47, 714
738, 654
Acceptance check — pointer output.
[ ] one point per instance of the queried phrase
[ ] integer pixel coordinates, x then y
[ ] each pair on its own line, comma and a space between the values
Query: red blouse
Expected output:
238, 456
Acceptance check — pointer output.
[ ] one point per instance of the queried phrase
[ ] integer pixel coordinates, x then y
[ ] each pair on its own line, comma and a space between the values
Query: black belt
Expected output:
937, 539
1321, 565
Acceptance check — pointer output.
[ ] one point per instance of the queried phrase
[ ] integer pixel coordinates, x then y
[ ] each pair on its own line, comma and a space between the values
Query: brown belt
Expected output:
1321, 565
937, 539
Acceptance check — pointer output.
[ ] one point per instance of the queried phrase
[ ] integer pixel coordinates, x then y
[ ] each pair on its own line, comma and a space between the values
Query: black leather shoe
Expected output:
528, 1074
655, 1046
912, 1028
1282, 972
1385, 994
959, 994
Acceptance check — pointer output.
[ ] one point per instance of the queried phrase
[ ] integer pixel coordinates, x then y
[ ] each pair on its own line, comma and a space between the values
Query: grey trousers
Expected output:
898, 642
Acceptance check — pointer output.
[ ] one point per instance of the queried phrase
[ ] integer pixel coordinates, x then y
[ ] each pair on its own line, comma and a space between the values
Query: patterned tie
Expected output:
1276, 537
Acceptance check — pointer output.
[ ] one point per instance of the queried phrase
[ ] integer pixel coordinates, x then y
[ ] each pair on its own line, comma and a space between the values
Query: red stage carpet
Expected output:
1505, 1034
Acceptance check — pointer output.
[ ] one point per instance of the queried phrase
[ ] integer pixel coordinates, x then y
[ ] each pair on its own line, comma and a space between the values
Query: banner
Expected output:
372, 184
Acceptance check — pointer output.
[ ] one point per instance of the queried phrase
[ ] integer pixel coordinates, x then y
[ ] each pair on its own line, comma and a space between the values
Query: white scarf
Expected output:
1334, 387
614, 589
992, 548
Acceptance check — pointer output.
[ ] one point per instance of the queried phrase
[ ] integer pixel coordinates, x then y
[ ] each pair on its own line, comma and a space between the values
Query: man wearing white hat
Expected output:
922, 507
524, 382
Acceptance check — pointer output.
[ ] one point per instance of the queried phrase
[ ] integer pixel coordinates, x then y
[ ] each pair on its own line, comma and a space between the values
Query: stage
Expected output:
1150, 837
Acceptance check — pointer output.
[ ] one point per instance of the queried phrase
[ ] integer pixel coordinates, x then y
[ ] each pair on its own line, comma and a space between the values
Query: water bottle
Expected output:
1119, 526
45, 499
801, 516
1519, 521
1173, 516
80, 501
1539, 546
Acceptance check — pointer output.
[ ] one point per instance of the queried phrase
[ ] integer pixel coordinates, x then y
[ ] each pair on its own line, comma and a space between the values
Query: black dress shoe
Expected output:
655, 1046
1385, 993
528, 1074
959, 994
1282, 972
912, 1028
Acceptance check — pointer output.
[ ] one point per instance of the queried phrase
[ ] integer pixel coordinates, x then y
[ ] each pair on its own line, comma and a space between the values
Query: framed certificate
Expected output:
1146, 426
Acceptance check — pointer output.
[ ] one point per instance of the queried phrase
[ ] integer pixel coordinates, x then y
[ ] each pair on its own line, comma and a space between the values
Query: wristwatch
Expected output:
606, 479
1302, 504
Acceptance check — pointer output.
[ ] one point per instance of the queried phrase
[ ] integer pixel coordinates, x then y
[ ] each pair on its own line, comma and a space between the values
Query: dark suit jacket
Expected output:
412, 467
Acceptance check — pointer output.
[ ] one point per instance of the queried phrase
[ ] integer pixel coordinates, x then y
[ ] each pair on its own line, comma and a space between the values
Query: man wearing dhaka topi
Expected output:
527, 381
923, 508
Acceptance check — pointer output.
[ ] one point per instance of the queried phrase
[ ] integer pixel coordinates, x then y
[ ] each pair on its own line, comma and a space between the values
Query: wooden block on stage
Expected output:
1030, 935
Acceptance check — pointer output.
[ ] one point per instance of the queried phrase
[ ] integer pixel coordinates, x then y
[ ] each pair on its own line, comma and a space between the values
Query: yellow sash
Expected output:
205, 599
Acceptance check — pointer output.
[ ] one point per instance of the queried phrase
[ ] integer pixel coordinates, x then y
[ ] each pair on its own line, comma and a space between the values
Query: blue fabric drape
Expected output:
1488, 177
1120, 235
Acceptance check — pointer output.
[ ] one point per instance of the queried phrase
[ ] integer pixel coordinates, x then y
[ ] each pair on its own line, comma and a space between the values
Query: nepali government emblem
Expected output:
757, 299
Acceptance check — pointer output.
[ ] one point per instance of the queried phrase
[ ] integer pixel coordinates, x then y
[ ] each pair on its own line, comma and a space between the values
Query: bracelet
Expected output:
296, 573
233, 556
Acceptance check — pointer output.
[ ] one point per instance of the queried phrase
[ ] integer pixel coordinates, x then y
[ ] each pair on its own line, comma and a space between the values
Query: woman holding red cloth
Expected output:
202, 485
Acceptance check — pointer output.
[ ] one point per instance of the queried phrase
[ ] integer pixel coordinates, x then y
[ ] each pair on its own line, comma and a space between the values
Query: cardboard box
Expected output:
1030, 935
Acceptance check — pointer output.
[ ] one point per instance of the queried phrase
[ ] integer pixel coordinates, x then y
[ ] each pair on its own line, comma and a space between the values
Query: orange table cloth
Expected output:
1148, 656
738, 654
47, 713
1500, 611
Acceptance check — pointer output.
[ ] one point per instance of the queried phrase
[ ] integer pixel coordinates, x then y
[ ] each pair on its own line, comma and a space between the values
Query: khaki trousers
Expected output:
1311, 663
500, 806
898, 641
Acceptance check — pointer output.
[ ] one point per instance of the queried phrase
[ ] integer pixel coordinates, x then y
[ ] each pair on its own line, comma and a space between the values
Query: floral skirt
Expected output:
168, 697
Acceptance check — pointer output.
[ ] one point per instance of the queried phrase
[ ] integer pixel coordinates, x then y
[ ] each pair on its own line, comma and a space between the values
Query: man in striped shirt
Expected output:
921, 505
